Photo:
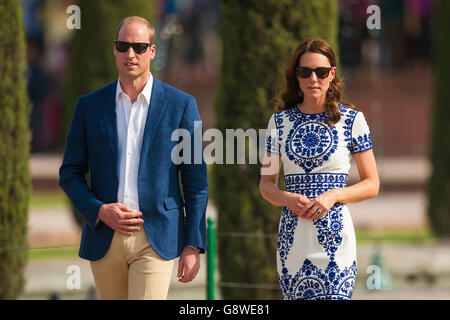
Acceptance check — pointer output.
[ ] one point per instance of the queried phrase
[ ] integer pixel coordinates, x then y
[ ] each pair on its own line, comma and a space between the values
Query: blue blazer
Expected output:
171, 221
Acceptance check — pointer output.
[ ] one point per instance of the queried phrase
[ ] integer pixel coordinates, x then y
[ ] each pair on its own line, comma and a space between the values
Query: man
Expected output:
135, 220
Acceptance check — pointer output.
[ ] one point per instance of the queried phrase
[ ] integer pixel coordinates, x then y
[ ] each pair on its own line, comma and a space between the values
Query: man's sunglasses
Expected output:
138, 47
305, 73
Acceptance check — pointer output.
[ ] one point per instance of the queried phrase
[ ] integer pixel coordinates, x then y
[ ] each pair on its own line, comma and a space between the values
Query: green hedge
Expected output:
439, 185
14, 152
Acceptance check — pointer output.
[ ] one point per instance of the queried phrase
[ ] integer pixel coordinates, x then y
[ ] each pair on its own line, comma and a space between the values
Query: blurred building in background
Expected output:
47, 56
387, 72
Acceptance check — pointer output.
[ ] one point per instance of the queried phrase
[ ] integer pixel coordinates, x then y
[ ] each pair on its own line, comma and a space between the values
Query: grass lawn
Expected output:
50, 199
39, 200
53, 252
424, 236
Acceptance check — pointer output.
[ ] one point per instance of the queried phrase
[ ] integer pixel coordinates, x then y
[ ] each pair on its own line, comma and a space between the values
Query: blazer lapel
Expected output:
158, 103
110, 122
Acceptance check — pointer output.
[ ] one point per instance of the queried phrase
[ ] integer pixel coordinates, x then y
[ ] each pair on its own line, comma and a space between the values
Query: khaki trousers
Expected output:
132, 270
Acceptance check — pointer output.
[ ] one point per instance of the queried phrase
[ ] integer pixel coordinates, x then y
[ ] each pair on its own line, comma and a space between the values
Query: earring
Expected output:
300, 93
330, 92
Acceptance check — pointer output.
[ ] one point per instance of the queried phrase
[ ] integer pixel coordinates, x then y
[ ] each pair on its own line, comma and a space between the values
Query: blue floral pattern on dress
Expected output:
361, 143
348, 116
311, 141
310, 282
316, 158
329, 228
312, 185
271, 145
279, 125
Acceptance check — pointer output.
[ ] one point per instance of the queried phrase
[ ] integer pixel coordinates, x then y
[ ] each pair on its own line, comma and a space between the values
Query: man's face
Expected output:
130, 64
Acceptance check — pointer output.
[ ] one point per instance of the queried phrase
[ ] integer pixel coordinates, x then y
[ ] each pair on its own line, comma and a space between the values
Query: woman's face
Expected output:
314, 86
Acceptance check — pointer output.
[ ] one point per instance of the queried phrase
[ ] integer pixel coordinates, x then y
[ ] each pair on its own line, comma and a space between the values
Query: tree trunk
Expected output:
439, 184
14, 153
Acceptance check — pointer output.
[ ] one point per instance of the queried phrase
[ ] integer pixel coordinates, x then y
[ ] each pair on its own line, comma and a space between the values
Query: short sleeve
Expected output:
272, 142
361, 136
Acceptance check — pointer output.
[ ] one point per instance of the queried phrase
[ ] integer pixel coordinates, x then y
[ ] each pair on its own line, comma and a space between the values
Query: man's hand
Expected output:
120, 218
188, 265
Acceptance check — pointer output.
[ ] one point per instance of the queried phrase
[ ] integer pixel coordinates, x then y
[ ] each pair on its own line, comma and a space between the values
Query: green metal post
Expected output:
211, 259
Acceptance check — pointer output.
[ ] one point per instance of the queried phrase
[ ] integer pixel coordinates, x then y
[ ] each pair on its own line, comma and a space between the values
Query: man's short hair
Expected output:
127, 20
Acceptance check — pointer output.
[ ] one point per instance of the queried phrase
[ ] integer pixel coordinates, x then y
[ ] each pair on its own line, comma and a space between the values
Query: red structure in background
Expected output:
398, 108
387, 73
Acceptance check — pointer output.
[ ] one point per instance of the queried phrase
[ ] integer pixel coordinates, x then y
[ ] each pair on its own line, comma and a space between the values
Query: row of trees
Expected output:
258, 37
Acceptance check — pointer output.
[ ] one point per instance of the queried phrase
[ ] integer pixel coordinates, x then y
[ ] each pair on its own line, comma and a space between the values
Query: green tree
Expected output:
258, 38
14, 153
92, 62
439, 184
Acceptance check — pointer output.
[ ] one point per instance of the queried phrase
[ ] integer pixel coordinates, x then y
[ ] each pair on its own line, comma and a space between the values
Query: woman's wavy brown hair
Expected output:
288, 94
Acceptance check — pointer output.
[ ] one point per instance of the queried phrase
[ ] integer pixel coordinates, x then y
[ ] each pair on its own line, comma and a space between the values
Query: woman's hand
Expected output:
297, 203
320, 205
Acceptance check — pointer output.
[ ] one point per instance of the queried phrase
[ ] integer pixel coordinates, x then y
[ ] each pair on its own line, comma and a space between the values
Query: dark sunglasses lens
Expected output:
140, 47
304, 72
322, 72
122, 46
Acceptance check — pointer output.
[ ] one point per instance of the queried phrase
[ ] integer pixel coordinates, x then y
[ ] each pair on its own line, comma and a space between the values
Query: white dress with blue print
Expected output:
316, 259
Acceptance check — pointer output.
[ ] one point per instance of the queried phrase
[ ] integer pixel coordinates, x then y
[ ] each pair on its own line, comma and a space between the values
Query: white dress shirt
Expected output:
131, 119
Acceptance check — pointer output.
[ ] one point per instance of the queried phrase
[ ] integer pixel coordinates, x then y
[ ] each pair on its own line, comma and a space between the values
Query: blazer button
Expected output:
116, 183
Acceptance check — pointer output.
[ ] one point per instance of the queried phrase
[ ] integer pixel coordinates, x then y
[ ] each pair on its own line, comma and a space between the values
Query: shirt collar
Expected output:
146, 92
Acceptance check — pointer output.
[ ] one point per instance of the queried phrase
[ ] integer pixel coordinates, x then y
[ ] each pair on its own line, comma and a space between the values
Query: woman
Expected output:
314, 135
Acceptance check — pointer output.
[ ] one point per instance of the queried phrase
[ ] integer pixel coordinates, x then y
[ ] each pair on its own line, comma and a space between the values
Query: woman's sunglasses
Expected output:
305, 73
138, 47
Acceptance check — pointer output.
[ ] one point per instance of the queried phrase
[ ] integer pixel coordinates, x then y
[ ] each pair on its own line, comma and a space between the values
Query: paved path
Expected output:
47, 276
46, 226
419, 271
